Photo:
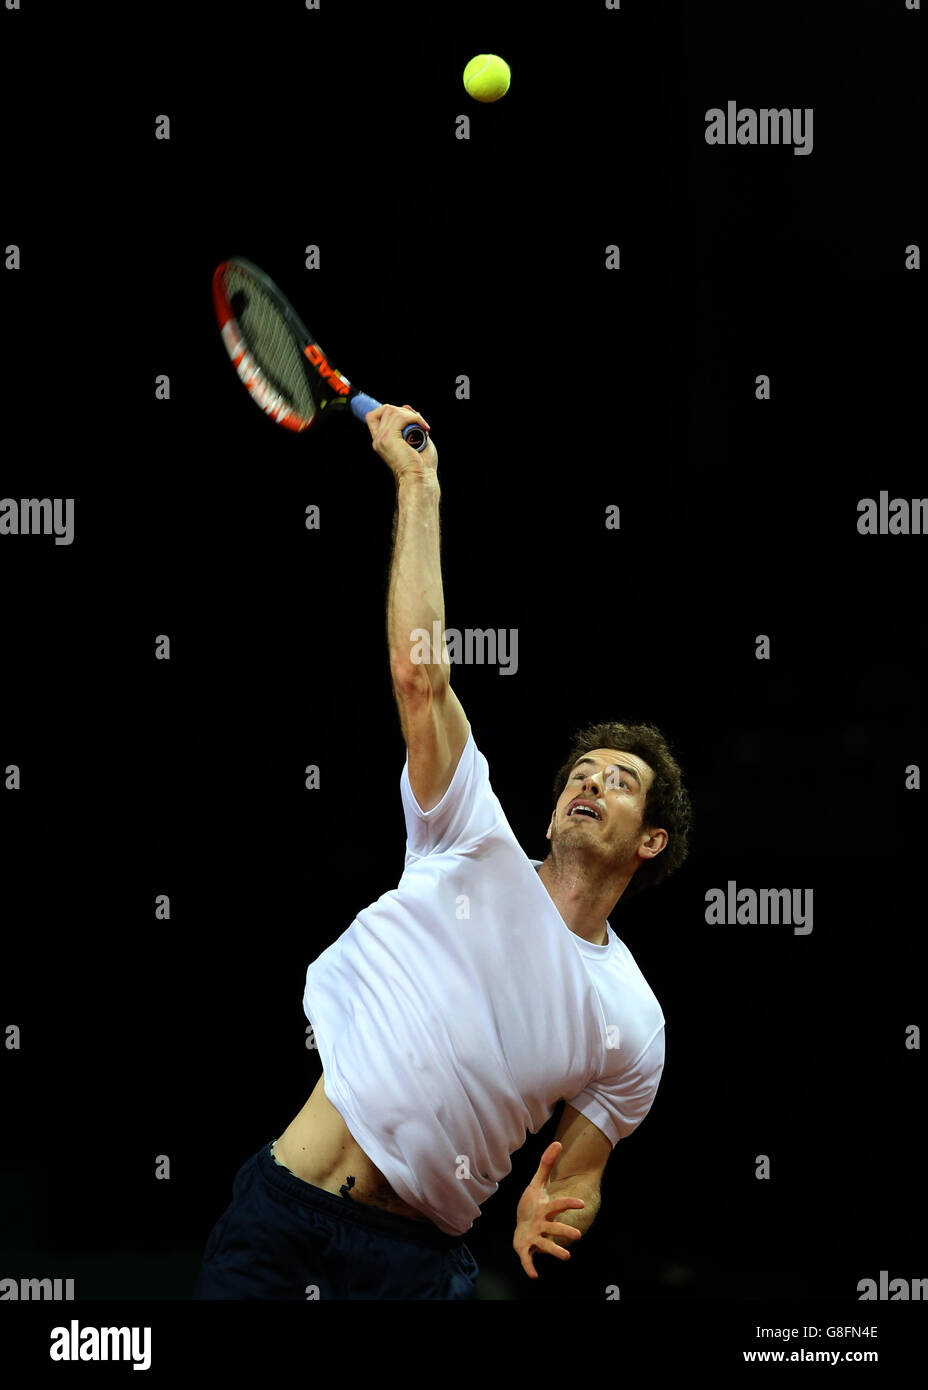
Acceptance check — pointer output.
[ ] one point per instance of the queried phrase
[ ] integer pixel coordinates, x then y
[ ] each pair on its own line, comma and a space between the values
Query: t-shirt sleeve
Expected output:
618, 1104
467, 812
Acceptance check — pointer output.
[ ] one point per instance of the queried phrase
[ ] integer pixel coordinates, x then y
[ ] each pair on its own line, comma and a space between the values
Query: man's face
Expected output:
613, 786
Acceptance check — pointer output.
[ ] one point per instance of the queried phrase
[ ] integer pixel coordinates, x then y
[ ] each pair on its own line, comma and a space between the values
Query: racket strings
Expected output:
270, 340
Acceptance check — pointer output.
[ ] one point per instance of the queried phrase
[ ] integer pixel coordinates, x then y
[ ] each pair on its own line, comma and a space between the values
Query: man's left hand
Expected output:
535, 1224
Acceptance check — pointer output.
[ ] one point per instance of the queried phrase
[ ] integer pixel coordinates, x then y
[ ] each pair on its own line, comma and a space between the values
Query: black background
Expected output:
589, 387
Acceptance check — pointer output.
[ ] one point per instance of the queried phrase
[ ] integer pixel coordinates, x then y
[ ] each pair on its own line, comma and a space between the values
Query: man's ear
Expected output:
656, 841
550, 825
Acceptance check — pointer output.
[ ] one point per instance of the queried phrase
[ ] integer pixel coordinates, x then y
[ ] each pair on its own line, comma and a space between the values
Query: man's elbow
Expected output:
417, 679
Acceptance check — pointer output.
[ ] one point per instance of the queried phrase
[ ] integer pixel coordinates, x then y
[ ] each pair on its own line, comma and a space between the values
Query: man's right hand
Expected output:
386, 425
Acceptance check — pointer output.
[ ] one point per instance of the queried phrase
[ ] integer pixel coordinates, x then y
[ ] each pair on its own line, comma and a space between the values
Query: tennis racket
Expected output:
277, 358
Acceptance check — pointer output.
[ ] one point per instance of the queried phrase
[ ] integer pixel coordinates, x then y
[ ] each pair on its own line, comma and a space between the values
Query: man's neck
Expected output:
583, 902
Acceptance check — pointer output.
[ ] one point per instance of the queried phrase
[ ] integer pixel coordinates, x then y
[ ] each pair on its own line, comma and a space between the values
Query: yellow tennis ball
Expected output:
486, 77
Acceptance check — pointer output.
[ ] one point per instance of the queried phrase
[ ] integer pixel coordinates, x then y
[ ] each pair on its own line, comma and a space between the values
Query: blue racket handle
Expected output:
414, 435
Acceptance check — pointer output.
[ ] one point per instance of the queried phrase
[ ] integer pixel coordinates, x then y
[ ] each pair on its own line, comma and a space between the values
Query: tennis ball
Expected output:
486, 77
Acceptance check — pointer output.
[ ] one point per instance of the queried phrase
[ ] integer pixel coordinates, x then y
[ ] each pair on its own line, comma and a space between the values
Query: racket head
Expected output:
273, 352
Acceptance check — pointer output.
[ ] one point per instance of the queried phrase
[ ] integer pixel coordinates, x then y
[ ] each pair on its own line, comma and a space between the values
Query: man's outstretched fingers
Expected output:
559, 1204
548, 1159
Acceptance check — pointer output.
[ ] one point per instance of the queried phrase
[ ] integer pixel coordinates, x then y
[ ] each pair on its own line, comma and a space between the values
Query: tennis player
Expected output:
456, 1012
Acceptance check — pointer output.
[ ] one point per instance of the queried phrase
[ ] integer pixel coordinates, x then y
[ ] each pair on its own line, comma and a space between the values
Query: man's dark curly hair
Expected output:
667, 803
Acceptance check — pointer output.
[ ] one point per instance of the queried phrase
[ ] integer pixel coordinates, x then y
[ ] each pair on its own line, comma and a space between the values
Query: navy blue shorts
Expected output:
283, 1238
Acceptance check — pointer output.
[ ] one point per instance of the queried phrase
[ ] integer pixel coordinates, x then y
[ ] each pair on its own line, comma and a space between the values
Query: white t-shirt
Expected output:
459, 1008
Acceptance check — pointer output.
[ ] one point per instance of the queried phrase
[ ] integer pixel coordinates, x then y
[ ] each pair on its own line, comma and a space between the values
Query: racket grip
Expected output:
414, 435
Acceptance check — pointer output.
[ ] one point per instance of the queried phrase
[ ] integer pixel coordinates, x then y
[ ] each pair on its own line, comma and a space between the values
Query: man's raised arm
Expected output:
433, 721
